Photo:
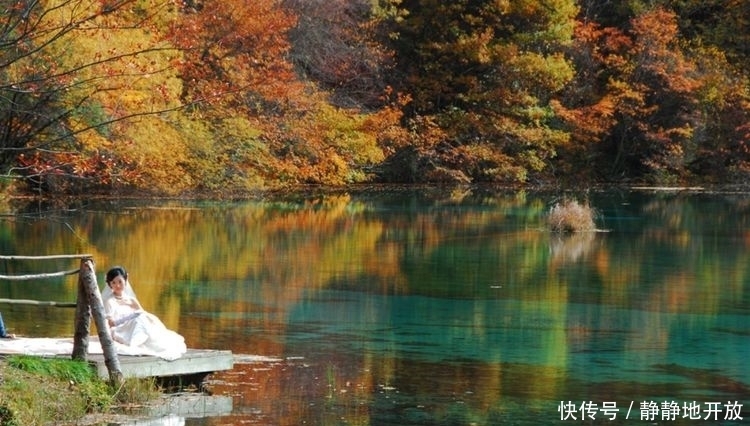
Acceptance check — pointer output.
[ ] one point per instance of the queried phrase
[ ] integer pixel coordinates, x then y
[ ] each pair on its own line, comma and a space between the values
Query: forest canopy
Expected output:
224, 98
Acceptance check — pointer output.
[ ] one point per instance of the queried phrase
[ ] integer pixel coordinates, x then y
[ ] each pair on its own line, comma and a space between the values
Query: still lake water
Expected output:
429, 306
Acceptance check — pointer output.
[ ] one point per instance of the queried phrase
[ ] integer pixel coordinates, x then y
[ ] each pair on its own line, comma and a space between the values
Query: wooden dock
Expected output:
191, 367
195, 364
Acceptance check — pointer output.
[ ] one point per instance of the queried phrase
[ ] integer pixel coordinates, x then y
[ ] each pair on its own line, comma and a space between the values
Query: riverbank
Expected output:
40, 391
34, 398
44, 391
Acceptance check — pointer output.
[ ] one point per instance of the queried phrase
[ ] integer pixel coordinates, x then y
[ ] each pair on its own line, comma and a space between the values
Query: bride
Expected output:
132, 326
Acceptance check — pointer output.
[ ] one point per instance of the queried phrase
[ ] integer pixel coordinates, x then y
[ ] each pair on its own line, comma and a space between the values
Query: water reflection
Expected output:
168, 420
422, 308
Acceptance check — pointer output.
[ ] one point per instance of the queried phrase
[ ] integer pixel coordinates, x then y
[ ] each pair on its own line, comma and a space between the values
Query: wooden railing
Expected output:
88, 303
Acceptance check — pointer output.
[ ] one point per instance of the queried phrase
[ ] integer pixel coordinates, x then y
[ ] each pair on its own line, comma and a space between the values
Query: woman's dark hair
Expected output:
116, 271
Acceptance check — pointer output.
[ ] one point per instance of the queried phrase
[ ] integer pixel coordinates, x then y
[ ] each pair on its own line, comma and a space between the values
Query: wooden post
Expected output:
82, 322
88, 289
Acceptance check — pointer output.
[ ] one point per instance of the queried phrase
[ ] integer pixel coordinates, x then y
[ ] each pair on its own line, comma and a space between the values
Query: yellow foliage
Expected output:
346, 131
160, 152
92, 141
328, 145
122, 57
546, 73
246, 161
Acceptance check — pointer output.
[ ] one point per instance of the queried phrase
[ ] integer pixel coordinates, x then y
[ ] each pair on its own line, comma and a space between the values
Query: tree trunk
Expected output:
89, 288
82, 322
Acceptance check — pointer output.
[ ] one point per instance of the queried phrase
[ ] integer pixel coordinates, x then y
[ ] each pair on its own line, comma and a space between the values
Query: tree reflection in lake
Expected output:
410, 307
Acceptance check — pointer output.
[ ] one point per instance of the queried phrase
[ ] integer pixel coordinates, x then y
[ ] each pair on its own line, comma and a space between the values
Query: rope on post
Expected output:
90, 304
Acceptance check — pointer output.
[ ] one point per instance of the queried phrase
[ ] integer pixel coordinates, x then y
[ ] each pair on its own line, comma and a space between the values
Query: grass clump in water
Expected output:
136, 392
571, 216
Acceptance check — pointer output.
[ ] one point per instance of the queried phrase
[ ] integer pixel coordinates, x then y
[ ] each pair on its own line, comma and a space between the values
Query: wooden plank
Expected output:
27, 277
194, 361
48, 257
38, 303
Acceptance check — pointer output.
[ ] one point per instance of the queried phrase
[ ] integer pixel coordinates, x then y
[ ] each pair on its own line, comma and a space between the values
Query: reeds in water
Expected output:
571, 216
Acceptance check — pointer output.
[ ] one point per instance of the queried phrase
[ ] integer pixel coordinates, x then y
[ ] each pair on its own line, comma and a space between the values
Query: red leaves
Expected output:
642, 97
659, 53
233, 46
69, 168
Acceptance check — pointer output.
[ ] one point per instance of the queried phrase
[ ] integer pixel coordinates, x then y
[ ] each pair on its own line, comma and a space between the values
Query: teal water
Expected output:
429, 307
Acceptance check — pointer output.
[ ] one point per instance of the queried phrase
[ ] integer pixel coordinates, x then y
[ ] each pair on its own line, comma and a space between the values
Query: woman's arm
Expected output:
108, 312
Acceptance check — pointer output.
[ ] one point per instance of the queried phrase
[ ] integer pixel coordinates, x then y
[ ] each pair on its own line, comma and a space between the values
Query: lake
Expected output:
426, 306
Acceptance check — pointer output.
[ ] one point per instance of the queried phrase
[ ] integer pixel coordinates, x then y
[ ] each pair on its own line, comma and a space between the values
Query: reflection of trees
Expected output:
246, 266
399, 244
53, 234
676, 251
570, 248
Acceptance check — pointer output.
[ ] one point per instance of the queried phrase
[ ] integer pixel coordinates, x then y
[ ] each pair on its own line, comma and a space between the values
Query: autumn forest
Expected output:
190, 97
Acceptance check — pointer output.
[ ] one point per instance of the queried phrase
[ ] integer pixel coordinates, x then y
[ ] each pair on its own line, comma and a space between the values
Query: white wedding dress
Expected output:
141, 331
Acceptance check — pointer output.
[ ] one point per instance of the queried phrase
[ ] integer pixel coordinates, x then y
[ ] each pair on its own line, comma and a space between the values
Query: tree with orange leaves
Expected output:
634, 103
234, 53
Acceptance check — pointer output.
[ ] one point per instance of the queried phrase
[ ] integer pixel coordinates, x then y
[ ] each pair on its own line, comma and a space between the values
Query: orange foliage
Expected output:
74, 172
593, 121
636, 92
293, 91
658, 51
233, 49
